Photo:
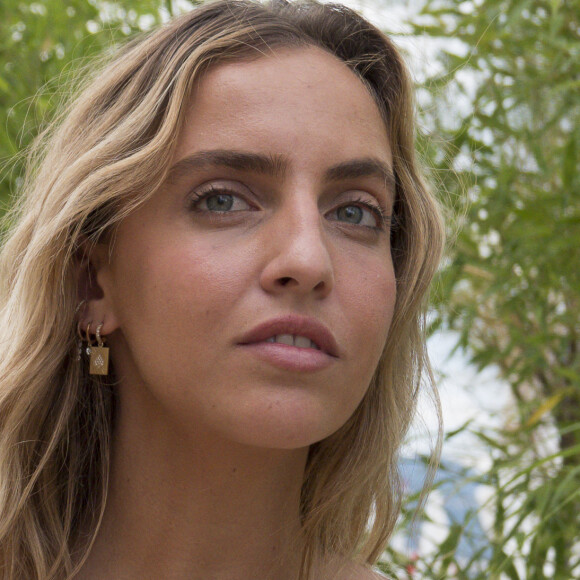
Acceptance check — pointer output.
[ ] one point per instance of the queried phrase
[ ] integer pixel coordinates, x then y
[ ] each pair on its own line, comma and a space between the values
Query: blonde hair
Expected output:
111, 150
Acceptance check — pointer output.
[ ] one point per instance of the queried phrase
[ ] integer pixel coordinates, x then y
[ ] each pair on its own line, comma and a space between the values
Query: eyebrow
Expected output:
276, 166
364, 167
273, 165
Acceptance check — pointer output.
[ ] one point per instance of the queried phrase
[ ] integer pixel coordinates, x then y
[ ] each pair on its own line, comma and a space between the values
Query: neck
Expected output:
183, 505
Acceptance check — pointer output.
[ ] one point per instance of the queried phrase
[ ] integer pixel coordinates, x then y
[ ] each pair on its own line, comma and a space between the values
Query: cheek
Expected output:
174, 297
370, 299
184, 277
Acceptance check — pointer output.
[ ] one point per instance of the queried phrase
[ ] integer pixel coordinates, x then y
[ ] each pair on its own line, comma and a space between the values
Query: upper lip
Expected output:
295, 325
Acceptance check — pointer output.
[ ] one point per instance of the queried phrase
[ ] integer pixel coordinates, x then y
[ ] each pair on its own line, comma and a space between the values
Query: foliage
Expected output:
533, 501
43, 43
502, 119
511, 287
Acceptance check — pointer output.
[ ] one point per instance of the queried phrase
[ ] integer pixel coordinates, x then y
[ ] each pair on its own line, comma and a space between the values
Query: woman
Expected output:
232, 209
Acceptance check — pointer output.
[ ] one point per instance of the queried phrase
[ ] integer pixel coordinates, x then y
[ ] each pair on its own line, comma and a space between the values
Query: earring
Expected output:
88, 339
99, 361
79, 332
79, 342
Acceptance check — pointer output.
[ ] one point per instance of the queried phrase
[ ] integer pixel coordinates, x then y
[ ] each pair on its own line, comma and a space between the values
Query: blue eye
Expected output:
360, 213
350, 213
216, 201
219, 202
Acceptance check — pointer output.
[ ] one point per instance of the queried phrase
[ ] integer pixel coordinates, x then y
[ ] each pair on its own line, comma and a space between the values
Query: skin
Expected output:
211, 440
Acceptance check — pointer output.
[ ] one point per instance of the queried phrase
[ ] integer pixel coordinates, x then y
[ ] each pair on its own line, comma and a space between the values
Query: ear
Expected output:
95, 288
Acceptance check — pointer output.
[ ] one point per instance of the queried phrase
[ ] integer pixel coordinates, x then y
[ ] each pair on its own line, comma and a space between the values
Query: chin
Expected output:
293, 427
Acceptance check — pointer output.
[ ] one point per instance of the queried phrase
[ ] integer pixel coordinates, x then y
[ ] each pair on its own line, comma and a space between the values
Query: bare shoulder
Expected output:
354, 571
366, 574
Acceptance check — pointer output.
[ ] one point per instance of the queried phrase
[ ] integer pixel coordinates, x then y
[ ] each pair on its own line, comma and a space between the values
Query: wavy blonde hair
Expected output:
107, 153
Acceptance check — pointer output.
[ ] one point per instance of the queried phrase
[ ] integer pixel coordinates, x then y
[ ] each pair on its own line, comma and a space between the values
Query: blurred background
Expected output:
498, 105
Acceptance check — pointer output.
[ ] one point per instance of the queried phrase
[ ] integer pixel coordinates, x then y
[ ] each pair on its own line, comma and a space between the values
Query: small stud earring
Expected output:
99, 361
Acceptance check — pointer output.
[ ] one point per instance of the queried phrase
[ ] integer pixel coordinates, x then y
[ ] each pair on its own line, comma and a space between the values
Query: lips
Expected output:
293, 331
291, 340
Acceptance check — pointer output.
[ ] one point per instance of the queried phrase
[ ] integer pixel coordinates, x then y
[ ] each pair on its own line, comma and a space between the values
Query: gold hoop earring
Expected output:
80, 338
88, 339
99, 355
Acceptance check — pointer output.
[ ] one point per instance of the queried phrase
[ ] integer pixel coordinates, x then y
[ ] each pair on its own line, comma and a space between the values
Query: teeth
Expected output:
302, 342
291, 340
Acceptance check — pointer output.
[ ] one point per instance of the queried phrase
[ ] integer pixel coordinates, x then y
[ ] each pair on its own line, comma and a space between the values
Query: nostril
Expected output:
285, 280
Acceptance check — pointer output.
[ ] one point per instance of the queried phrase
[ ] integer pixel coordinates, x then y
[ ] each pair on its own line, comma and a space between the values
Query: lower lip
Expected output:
291, 358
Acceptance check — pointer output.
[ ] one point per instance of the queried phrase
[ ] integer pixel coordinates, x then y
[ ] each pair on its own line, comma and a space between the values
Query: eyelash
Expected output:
198, 196
383, 218
381, 215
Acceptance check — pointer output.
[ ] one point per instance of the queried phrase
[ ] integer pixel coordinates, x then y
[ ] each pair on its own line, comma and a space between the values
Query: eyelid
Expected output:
239, 190
216, 187
383, 219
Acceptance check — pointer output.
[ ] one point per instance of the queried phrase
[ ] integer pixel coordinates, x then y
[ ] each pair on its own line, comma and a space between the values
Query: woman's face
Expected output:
250, 298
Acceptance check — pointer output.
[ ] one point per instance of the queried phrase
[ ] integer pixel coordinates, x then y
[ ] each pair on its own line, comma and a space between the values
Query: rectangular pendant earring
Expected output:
99, 361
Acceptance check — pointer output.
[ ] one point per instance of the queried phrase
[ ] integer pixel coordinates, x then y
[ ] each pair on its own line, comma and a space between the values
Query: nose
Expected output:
298, 257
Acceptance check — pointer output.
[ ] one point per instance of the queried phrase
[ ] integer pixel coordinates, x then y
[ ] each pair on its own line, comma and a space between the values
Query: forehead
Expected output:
292, 102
